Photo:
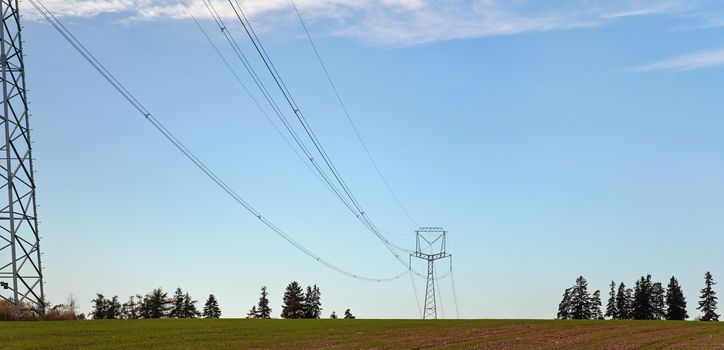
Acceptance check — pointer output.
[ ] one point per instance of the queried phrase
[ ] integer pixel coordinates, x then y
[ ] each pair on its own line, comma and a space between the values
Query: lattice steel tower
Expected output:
21, 275
434, 242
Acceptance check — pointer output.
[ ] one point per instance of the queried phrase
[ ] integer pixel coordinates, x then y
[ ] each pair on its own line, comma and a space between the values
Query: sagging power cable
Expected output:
137, 105
358, 211
349, 118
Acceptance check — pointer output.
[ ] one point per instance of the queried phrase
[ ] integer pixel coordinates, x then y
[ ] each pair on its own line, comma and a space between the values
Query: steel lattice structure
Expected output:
21, 275
435, 239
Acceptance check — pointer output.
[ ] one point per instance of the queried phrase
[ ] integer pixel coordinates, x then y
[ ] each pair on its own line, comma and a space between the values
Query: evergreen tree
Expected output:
658, 301
211, 308
564, 307
177, 310
642, 308
252, 313
580, 300
611, 305
629, 297
293, 301
621, 304
264, 310
675, 301
189, 307
157, 304
129, 309
142, 306
333, 315
113, 310
99, 307
348, 315
312, 303
595, 312
105, 309
708, 299
307, 303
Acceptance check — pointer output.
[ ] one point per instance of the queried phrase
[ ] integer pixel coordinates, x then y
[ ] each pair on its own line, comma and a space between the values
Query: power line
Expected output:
357, 211
270, 100
349, 118
251, 96
249, 68
353, 206
414, 290
247, 65
290, 100
455, 294
111, 79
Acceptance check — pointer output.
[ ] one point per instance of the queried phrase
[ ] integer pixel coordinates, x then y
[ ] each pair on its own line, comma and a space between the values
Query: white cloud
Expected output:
428, 23
650, 8
388, 22
697, 60
89, 8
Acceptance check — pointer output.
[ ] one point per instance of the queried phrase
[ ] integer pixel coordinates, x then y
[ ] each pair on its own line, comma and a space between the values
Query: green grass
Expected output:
365, 334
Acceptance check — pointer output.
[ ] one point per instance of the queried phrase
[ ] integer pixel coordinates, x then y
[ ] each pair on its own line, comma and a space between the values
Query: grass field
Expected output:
360, 334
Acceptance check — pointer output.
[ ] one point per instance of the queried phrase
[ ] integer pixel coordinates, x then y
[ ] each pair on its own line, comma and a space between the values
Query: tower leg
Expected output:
21, 275
430, 302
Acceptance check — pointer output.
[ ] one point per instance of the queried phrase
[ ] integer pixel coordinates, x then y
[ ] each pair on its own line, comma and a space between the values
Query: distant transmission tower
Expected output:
430, 246
21, 276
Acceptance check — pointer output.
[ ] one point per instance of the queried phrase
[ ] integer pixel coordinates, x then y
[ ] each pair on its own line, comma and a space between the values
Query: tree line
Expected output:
648, 300
157, 304
297, 303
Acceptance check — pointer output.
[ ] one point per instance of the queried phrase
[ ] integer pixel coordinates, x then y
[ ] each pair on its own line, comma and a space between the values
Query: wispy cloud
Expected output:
697, 60
391, 22
650, 8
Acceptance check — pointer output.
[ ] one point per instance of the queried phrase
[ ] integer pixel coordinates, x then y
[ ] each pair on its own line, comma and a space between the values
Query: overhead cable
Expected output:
359, 212
349, 118
128, 96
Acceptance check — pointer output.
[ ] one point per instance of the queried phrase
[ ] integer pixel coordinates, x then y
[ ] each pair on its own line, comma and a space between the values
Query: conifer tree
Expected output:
611, 307
333, 315
100, 305
312, 302
708, 299
211, 308
105, 309
157, 304
129, 309
621, 303
113, 310
293, 300
629, 298
307, 303
564, 307
658, 301
253, 313
595, 312
189, 307
675, 301
177, 310
142, 306
642, 308
580, 300
348, 315
264, 311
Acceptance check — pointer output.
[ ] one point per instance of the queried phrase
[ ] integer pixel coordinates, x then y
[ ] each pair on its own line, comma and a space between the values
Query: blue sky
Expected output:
551, 139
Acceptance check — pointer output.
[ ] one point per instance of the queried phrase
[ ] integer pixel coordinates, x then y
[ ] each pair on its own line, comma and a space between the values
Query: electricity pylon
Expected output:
431, 249
21, 275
